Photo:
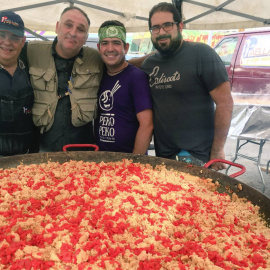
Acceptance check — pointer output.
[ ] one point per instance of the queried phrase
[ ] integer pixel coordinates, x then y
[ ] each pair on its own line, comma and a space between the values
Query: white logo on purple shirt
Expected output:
106, 98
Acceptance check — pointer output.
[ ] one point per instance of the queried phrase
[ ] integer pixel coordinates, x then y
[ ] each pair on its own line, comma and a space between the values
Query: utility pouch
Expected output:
7, 111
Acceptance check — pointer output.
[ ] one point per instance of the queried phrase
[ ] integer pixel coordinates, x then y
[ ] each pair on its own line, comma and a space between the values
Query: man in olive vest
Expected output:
65, 77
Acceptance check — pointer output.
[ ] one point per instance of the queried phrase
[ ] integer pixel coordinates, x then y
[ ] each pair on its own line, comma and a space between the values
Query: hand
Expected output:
217, 166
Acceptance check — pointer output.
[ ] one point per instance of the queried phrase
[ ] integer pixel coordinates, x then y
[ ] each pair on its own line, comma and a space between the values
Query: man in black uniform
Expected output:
16, 94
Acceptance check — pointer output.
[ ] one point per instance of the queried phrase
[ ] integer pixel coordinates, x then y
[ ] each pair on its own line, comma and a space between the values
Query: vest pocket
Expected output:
86, 79
84, 97
42, 79
43, 115
83, 111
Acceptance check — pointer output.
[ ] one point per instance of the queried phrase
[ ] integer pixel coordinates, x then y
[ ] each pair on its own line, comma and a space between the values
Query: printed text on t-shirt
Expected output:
155, 78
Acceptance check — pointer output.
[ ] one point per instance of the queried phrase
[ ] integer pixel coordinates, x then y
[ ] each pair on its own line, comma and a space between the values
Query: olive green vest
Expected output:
83, 85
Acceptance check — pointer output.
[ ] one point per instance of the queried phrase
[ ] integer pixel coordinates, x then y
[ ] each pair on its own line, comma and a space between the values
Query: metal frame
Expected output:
267, 166
72, 2
257, 159
222, 9
177, 3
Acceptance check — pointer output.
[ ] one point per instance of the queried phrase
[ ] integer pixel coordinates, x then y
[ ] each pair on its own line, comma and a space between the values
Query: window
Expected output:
226, 49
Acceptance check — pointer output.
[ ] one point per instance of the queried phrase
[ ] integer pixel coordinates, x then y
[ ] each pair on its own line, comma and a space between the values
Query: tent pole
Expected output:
178, 5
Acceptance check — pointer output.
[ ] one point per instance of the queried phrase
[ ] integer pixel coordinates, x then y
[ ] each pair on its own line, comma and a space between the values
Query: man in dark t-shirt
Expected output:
191, 94
125, 119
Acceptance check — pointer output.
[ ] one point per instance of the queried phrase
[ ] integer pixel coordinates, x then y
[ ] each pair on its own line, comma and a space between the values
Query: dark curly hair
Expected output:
165, 7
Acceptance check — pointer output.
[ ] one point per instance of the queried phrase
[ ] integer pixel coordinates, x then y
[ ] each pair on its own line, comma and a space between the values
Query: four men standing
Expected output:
190, 89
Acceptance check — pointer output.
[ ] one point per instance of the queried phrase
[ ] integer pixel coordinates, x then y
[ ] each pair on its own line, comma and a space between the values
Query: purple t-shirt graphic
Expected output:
120, 98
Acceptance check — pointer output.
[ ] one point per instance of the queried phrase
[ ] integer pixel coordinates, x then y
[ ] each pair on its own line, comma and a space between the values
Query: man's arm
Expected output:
137, 61
144, 133
224, 107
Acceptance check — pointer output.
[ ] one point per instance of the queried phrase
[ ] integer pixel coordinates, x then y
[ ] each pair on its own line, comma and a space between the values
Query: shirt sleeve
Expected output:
141, 91
211, 68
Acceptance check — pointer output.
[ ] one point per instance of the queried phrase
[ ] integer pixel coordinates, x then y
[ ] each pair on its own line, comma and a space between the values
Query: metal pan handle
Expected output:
80, 145
243, 169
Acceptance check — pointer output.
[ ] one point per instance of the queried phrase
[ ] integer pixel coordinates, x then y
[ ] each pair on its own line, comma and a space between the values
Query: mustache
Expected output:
163, 36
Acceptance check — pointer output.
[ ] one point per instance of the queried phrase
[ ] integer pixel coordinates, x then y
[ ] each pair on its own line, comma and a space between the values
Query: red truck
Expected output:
246, 56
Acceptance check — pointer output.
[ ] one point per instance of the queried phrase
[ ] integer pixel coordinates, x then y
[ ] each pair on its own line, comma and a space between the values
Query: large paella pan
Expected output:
130, 220
227, 184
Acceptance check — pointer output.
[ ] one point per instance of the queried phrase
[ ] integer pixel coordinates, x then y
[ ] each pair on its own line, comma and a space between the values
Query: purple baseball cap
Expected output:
11, 22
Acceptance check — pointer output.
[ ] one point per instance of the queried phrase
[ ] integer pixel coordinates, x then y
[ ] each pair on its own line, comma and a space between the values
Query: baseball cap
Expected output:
11, 22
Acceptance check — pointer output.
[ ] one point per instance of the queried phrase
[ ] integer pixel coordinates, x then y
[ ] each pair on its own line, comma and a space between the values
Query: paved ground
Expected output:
251, 176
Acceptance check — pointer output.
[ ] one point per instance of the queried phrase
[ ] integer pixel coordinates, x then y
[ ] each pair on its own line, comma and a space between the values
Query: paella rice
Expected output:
124, 215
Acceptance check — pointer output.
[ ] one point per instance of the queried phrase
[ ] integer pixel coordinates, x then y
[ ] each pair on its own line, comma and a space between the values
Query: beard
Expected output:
172, 47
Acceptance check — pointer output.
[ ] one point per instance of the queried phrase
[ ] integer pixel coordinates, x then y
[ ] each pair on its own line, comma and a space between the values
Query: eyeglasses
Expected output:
167, 26
10, 37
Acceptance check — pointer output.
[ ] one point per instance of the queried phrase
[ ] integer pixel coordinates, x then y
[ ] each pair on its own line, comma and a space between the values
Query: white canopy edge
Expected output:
42, 15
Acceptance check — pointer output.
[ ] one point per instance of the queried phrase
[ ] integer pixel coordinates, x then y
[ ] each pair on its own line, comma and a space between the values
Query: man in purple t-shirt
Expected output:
125, 117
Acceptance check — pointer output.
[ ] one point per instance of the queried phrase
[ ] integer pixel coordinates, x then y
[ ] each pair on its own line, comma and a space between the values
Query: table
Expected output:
257, 159
251, 125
